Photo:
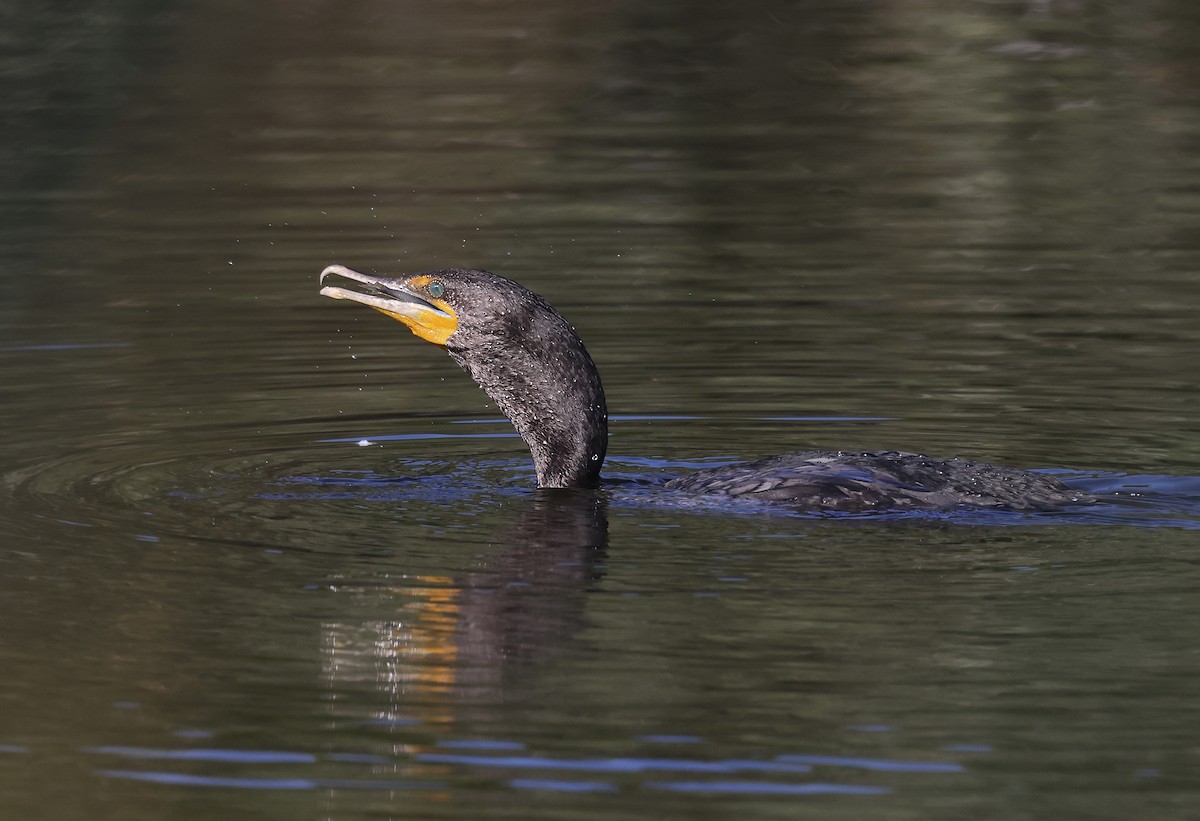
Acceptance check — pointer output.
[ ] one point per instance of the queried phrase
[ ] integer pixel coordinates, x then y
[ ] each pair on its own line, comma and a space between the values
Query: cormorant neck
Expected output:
544, 381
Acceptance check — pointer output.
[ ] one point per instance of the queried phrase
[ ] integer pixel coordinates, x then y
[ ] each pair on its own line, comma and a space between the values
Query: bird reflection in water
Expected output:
459, 640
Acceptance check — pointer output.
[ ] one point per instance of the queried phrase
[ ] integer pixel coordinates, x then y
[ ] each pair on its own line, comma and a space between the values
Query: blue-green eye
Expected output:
436, 289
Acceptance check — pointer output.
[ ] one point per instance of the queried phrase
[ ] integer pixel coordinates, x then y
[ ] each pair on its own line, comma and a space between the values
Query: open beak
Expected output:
432, 320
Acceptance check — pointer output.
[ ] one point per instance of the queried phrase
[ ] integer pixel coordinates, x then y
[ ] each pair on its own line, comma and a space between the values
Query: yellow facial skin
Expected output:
430, 326
434, 322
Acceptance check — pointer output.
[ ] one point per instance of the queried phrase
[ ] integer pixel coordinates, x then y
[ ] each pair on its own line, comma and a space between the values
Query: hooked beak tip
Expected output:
335, 270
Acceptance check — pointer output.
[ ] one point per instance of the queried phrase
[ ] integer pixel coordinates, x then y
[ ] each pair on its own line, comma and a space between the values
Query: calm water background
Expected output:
960, 228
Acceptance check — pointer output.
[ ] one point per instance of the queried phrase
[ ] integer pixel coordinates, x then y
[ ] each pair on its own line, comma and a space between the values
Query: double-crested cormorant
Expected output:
531, 362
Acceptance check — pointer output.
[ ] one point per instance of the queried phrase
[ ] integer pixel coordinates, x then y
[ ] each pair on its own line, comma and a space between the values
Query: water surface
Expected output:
269, 555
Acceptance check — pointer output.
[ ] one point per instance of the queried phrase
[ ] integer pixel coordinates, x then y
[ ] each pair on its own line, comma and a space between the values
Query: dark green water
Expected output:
963, 229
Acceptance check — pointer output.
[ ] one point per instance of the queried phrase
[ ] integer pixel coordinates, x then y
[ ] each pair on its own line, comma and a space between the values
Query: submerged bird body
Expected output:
531, 362
858, 482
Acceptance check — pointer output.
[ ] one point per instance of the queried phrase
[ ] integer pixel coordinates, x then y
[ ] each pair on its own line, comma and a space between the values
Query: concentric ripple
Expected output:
283, 490
306, 485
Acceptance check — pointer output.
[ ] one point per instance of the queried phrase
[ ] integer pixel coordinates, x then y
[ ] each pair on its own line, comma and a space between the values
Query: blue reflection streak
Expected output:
797, 763
208, 754
967, 748
561, 786
767, 788
189, 780
480, 744
227, 782
619, 765
412, 437
825, 418
879, 764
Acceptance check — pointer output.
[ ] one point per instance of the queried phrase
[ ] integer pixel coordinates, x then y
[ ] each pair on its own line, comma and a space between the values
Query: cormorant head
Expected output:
419, 301
515, 346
